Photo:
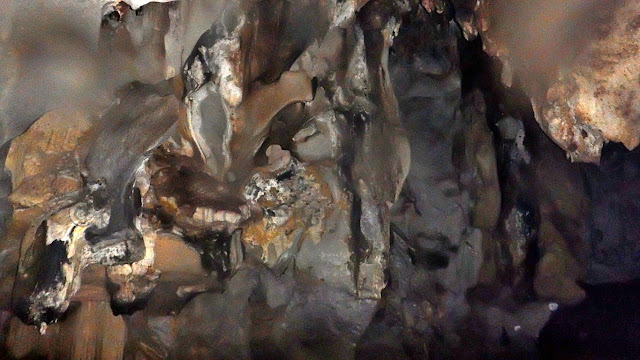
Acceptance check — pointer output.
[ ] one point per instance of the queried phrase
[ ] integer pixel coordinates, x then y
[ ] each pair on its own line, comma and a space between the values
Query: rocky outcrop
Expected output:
310, 179
576, 60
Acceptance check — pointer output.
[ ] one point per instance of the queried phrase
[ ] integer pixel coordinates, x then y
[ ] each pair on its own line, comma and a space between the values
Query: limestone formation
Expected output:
313, 179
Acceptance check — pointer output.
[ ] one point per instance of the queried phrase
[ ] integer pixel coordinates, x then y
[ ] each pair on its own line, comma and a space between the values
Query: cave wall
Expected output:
311, 179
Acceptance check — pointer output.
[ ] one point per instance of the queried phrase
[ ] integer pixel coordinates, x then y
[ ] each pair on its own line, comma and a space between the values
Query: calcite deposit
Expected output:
313, 179
577, 60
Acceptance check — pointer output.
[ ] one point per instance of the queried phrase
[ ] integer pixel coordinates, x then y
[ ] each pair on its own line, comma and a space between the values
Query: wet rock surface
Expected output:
317, 179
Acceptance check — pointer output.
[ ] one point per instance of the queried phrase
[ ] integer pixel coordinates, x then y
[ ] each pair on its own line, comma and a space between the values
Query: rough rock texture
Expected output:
337, 210
576, 60
594, 101
312, 179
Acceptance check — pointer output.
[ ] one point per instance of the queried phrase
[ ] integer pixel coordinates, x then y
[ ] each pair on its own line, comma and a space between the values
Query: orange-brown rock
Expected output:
52, 144
577, 61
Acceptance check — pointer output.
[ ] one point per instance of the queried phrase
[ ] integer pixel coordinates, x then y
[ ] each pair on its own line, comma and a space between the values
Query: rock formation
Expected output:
311, 179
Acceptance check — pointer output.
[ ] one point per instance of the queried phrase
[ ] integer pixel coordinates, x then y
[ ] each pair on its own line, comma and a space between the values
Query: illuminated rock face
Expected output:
577, 60
307, 179
595, 101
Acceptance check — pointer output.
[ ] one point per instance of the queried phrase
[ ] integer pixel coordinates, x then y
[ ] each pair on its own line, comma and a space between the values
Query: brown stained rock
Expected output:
479, 170
577, 61
90, 332
50, 270
45, 176
15, 247
228, 134
52, 182
596, 101
557, 270
134, 282
49, 168
93, 323
40, 189
278, 159
251, 120
166, 248
294, 211
562, 207
137, 280
518, 243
